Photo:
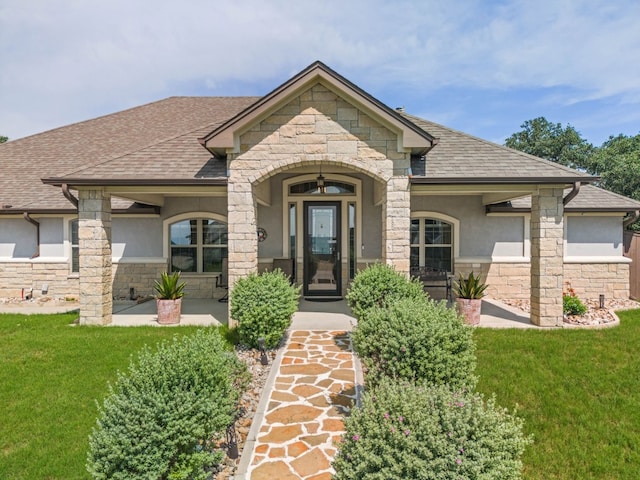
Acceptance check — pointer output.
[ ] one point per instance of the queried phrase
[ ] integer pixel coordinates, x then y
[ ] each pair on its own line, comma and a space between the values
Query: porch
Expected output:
310, 315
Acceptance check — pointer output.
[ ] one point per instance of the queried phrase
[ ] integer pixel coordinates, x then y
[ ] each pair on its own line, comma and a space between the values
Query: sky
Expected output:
482, 67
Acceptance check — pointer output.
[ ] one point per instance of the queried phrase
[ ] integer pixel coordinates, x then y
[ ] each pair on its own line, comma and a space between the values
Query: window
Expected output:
432, 244
197, 245
330, 187
75, 248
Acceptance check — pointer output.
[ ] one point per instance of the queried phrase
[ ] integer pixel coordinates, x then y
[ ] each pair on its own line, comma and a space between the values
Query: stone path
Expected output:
314, 389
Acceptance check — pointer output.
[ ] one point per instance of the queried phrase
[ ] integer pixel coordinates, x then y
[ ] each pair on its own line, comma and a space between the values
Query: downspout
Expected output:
68, 195
634, 216
571, 195
37, 225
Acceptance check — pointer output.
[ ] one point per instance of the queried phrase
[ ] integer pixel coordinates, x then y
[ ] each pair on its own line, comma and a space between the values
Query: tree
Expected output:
552, 141
617, 163
3, 139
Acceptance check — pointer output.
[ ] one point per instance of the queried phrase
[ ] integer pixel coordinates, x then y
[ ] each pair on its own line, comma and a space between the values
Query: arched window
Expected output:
197, 245
327, 187
432, 243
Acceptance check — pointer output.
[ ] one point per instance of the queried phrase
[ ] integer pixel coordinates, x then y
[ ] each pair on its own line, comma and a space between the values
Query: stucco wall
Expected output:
136, 237
480, 235
593, 236
17, 238
270, 218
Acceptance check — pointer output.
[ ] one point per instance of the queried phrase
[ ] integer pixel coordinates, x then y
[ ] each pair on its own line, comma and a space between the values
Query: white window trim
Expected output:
445, 218
167, 222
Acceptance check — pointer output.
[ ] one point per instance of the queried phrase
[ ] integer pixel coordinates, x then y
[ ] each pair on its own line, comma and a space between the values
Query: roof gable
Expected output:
226, 136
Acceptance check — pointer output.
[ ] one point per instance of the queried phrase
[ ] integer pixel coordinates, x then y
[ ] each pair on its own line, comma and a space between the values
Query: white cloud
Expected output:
66, 60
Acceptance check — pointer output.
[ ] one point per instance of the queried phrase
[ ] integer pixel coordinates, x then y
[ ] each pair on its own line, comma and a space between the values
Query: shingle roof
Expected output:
461, 156
166, 131
589, 198
149, 142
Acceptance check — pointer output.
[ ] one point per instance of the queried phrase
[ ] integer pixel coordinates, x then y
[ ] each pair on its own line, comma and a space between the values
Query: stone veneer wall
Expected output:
140, 276
317, 128
94, 241
589, 280
15, 276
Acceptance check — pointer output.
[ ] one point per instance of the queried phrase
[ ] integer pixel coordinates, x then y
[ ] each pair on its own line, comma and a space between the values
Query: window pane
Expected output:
414, 259
436, 232
75, 259
415, 231
438, 257
352, 240
184, 233
214, 233
212, 259
184, 259
74, 232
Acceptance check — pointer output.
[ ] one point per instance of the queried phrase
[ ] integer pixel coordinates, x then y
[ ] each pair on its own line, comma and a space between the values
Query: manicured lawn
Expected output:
50, 376
579, 393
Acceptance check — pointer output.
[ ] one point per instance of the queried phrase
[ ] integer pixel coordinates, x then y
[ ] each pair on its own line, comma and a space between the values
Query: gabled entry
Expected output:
322, 249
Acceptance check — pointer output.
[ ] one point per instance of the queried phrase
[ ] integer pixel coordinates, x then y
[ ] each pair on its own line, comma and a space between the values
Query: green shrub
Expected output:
429, 432
417, 340
378, 286
160, 416
263, 306
470, 287
572, 305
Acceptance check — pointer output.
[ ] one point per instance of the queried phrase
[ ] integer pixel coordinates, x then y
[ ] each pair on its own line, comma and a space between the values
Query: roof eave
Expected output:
501, 180
119, 182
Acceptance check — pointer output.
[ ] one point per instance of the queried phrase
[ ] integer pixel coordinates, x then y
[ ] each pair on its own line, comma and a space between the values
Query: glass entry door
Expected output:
322, 249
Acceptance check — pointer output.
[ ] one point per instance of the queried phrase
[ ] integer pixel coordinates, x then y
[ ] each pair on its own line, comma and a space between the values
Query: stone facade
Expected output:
588, 280
16, 276
504, 280
547, 249
317, 129
94, 236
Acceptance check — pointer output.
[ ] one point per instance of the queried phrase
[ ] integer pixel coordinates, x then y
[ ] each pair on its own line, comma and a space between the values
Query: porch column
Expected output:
547, 262
242, 237
94, 244
396, 222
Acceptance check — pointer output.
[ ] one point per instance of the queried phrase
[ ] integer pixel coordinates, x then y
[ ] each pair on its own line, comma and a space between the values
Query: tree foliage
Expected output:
3, 139
552, 141
617, 163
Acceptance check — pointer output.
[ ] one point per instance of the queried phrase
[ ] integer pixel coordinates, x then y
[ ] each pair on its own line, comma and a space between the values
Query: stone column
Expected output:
547, 262
396, 222
242, 237
94, 237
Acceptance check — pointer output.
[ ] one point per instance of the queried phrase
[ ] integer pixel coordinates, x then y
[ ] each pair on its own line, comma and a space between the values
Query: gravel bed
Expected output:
248, 404
595, 315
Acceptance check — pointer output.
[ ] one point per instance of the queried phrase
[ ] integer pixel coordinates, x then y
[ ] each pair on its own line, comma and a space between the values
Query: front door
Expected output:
322, 249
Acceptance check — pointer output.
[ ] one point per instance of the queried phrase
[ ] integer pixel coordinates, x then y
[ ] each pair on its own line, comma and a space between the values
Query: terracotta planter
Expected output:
169, 311
469, 308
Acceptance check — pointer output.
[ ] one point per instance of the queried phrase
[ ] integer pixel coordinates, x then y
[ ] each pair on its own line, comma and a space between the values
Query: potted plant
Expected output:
469, 292
169, 292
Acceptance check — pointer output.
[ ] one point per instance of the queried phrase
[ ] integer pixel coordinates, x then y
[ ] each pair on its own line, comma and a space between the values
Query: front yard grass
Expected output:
51, 373
578, 391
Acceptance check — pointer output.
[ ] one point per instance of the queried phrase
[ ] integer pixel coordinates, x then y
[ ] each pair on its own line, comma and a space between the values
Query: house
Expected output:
318, 176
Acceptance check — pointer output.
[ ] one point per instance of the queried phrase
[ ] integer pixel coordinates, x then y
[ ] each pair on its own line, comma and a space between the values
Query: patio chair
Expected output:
222, 280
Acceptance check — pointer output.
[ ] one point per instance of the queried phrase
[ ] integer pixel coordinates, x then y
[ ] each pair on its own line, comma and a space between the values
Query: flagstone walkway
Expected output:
314, 389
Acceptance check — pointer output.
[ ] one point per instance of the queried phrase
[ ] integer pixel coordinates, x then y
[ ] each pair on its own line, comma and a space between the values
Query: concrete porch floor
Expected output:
311, 315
